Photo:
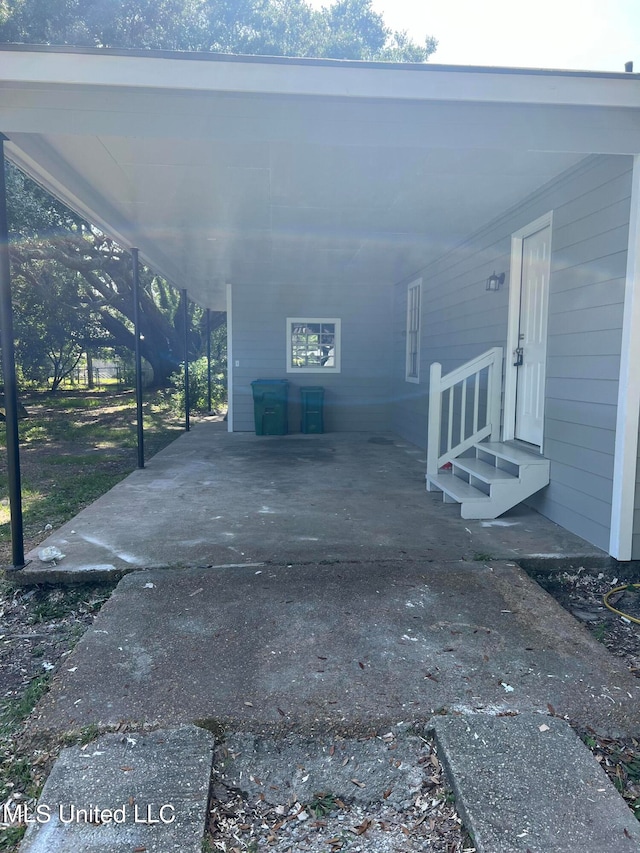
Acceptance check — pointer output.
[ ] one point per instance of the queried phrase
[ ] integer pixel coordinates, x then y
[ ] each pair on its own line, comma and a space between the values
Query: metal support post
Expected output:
138, 355
209, 360
9, 375
187, 409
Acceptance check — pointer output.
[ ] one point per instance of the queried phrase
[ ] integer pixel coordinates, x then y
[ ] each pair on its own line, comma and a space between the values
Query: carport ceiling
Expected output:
242, 169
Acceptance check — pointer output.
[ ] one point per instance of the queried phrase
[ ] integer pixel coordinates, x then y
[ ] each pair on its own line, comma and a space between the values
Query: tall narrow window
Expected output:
412, 373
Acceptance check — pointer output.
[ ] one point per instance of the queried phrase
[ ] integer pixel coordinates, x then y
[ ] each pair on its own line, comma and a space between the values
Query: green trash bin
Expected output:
270, 397
312, 405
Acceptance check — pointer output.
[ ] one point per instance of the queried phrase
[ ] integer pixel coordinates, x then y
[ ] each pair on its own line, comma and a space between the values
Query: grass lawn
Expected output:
74, 446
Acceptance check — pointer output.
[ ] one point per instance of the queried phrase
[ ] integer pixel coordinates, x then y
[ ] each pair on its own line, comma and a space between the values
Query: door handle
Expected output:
518, 354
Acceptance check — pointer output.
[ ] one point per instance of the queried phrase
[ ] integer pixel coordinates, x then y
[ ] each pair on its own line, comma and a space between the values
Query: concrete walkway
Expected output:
311, 585
346, 647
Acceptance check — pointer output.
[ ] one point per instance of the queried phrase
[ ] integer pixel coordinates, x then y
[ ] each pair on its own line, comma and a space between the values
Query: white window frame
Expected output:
413, 326
336, 367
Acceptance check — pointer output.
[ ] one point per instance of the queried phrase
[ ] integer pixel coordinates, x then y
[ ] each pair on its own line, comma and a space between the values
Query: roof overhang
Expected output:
245, 169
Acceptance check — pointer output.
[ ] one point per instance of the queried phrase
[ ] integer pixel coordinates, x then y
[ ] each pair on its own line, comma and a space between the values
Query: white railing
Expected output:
478, 381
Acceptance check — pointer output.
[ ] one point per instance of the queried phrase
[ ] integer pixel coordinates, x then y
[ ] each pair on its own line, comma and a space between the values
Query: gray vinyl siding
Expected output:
461, 320
357, 398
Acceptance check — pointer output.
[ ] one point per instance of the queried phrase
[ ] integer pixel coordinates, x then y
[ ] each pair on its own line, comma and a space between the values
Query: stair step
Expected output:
483, 471
511, 453
457, 489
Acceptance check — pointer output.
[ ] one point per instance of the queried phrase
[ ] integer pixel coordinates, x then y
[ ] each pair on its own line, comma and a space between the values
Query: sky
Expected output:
565, 34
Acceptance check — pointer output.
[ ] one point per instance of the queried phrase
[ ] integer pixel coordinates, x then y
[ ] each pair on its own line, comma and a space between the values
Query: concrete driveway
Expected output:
214, 498
282, 581
309, 584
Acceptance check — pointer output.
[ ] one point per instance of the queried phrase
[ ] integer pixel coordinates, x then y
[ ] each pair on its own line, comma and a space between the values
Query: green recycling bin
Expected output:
312, 406
270, 398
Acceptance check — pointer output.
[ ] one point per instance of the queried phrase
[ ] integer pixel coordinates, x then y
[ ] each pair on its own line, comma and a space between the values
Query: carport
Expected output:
223, 172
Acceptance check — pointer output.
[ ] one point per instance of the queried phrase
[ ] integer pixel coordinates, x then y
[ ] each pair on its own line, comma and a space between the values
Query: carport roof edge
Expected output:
235, 208
58, 64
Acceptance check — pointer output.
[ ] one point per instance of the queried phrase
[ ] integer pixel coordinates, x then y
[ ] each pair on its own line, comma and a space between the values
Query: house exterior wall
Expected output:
460, 320
357, 398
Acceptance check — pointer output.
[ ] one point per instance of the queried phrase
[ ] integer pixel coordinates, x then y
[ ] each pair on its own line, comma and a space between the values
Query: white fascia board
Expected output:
625, 463
301, 77
230, 362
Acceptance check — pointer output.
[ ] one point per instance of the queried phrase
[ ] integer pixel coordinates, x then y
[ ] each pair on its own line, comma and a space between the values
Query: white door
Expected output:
532, 336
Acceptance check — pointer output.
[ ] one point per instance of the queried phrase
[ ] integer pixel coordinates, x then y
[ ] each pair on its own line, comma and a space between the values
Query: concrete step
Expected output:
527, 784
126, 792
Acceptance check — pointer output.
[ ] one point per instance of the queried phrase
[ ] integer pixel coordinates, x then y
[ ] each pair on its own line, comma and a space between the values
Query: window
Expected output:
412, 373
313, 345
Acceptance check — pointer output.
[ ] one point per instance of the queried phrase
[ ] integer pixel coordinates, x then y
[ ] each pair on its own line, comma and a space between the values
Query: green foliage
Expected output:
322, 804
482, 557
198, 388
347, 29
198, 384
11, 837
14, 713
51, 327
89, 733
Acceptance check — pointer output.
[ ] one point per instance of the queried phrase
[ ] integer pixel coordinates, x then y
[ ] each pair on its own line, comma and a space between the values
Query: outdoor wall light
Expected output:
495, 281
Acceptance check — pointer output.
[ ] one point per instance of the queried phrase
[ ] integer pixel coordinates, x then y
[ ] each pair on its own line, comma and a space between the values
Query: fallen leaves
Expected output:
328, 823
362, 827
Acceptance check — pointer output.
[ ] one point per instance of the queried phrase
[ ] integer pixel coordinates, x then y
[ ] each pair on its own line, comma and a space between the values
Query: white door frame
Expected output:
623, 503
229, 358
513, 322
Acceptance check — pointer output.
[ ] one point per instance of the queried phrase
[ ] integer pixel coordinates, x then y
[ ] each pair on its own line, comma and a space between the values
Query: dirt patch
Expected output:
383, 792
581, 592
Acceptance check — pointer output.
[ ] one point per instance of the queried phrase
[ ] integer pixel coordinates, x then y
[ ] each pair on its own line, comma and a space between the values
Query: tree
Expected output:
49, 242
51, 327
348, 29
